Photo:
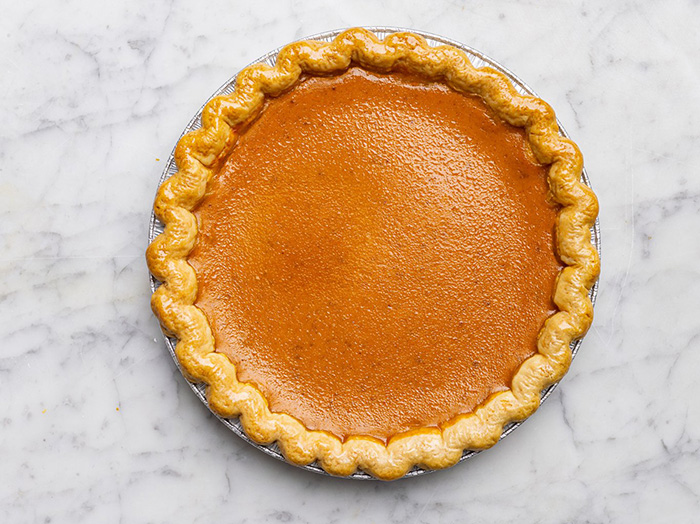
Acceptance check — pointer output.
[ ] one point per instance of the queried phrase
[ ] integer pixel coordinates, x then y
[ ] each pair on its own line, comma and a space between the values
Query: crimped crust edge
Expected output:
200, 153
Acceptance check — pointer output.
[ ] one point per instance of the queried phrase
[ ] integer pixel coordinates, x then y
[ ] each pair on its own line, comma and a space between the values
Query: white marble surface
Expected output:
96, 423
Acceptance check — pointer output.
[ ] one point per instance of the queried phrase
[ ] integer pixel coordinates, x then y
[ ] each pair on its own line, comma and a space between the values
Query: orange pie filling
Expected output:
377, 253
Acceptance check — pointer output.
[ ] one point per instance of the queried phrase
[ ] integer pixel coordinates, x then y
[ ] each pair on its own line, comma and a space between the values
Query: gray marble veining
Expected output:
96, 424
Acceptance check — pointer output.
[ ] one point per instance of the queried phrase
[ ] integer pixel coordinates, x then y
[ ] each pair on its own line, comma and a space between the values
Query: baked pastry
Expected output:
374, 253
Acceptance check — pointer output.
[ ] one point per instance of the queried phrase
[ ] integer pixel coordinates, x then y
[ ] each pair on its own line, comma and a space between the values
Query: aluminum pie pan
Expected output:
156, 227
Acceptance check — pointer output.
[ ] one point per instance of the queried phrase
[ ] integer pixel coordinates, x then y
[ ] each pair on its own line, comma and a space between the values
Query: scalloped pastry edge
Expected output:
200, 153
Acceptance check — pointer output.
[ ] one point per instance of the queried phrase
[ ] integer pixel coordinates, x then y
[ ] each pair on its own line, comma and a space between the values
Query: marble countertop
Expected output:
96, 422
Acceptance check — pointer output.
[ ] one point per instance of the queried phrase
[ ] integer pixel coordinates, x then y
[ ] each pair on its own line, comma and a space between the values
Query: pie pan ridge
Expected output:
389, 467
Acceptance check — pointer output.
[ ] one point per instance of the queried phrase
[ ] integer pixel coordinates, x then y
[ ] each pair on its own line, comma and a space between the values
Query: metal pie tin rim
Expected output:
156, 227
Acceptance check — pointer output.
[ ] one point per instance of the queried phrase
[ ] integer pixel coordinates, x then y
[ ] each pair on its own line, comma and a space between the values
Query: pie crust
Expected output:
201, 153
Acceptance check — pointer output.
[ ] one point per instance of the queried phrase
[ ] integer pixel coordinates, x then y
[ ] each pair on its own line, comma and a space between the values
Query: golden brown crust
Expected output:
200, 153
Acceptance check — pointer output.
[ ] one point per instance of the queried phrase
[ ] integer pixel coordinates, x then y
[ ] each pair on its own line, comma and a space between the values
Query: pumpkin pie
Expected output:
375, 254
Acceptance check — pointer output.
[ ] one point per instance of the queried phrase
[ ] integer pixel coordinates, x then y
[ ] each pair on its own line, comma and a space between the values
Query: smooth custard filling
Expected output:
377, 254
